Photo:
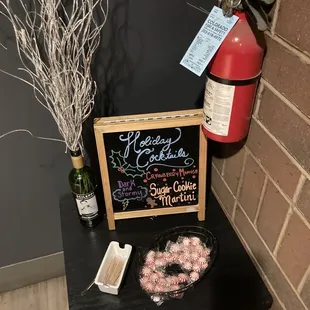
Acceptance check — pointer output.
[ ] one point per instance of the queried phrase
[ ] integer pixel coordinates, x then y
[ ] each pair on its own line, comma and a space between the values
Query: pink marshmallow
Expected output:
146, 271
194, 276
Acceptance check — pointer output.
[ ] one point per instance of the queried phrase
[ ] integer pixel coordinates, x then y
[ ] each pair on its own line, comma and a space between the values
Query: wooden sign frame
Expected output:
148, 122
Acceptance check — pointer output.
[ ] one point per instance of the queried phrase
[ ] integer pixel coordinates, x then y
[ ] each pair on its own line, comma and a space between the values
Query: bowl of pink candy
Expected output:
177, 260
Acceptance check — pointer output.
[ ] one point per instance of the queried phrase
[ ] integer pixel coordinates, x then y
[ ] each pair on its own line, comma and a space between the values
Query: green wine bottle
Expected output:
83, 186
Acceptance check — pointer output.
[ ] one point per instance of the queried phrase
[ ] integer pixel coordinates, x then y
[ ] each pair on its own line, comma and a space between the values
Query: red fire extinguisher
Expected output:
233, 75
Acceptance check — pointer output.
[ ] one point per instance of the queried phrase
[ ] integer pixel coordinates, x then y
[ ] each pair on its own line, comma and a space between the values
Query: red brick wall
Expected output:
265, 187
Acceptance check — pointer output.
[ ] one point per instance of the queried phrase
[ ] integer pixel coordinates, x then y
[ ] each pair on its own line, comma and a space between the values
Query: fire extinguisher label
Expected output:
217, 107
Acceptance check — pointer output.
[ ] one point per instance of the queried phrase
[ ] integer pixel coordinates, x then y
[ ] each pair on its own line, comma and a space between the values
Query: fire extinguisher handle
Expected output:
229, 5
256, 9
267, 2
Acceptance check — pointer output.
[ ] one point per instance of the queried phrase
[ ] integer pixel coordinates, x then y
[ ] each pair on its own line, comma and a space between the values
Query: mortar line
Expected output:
286, 101
292, 205
283, 230
224, 182
271, 254
300, 185
223, 168
304, 58
283, 149
240, 183
303, 280
220, 203
275, 17
288, 199
259, 98
260, 269
261, 198
268, 250
302, 217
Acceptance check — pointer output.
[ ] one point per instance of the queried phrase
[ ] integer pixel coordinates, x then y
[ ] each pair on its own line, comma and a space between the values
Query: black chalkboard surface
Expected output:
152, 164
153, 168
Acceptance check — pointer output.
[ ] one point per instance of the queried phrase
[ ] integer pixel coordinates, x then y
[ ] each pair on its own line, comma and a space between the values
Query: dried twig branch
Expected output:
56, 43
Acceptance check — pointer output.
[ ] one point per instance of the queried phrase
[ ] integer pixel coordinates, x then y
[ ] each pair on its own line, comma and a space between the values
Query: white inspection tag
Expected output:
208, 40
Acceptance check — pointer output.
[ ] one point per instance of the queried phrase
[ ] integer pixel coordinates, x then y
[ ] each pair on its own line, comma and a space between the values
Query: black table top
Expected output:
231, 283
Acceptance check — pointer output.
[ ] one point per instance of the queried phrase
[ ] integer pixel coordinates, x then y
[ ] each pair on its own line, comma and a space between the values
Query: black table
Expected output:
232, 282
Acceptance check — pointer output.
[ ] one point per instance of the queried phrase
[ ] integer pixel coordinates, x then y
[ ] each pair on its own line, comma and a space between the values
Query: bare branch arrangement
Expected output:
56, 43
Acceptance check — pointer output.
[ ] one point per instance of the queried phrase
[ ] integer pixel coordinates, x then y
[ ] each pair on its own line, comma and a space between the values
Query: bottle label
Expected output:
87, 205
218, 107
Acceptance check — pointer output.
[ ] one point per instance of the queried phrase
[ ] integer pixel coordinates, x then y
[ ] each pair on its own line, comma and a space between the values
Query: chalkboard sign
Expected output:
152, 164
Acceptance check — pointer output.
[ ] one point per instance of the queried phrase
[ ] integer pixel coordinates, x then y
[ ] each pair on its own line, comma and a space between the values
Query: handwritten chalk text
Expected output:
166, 194
154, 150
